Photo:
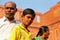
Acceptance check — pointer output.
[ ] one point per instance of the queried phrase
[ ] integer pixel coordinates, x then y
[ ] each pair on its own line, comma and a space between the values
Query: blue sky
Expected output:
38, 5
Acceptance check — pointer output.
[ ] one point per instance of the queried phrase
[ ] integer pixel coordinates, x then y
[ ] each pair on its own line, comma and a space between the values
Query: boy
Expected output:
21, 32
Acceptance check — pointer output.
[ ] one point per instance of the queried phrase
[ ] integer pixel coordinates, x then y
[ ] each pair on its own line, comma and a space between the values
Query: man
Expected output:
21, 32
43, 33
7, 22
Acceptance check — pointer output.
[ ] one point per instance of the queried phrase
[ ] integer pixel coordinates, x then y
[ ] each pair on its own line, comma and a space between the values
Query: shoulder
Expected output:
2, 19
16, 27
37, 38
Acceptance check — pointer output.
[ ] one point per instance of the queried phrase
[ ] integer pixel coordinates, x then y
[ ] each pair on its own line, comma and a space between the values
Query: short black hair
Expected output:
42, 29
29, 11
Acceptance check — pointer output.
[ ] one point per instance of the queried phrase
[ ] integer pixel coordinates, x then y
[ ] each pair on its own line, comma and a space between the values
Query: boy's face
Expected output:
27, 19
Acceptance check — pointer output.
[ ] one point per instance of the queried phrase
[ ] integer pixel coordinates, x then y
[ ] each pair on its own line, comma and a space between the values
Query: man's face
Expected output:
10, 10
27, 19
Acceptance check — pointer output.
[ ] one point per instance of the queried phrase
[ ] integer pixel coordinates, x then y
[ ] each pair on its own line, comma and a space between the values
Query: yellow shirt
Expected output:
20, 33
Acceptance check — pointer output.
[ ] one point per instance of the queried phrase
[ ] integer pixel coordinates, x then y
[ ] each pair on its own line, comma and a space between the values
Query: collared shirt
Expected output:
20, 33
5, 28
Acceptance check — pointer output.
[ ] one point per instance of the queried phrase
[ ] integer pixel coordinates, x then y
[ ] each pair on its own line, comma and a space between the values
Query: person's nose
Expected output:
29, 18
9, 10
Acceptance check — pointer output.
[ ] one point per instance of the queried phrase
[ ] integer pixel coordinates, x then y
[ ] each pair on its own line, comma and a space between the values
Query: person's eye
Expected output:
12, 8
7, 8
28, 17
